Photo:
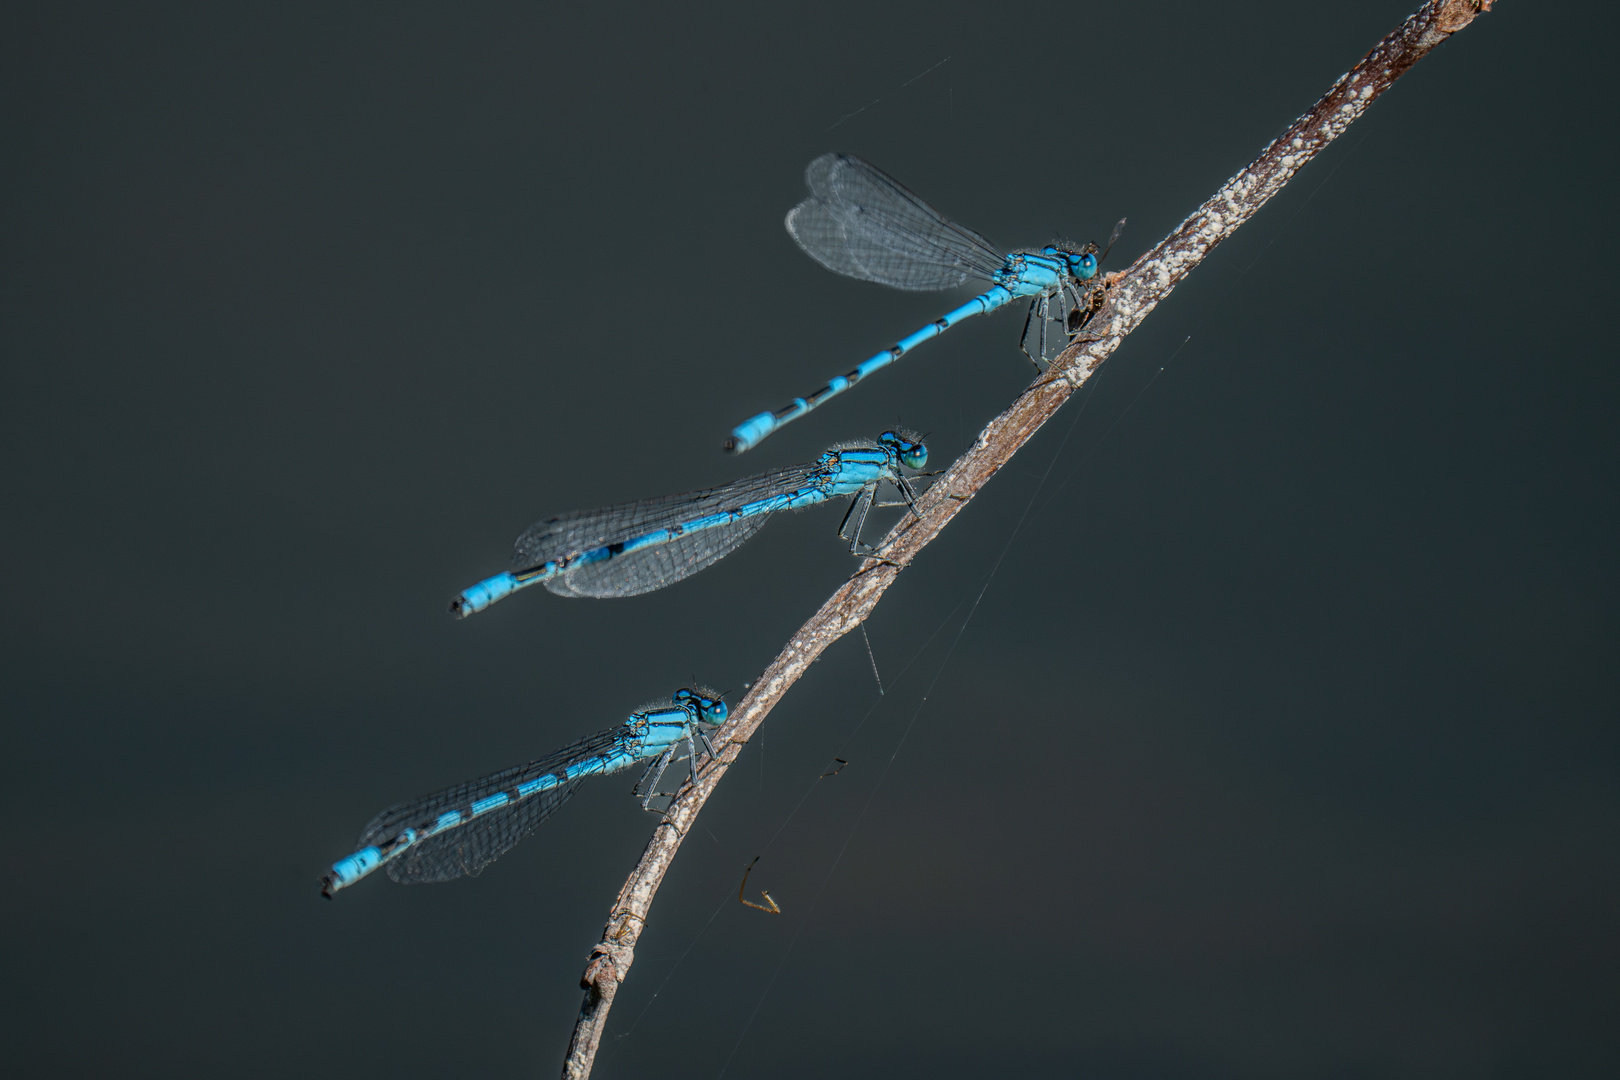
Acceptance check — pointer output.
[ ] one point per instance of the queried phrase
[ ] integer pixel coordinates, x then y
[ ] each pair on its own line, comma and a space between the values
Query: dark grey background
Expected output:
1283, 740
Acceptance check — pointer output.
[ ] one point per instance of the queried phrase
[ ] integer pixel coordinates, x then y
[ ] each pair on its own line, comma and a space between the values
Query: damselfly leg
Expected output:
864, 501
1086, 305
1023, 339
908, 495
1044, 309
647, 787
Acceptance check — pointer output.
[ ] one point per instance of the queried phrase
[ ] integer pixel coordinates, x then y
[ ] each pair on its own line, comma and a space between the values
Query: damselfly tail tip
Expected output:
329, 886
732, 446
477, 597
751, 432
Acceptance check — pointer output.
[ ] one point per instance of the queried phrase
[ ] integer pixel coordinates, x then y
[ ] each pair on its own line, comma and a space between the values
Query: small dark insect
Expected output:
772, 910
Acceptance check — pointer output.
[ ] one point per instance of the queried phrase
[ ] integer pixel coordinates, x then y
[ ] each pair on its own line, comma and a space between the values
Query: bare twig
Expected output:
1131, 295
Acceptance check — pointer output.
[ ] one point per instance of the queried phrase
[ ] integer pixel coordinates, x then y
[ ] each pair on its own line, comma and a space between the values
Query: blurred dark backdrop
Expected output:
1283, 742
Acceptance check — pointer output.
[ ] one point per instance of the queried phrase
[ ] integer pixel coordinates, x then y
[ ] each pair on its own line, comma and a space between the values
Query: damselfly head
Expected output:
711, 707
1080, 261
1083, 266
907, 446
